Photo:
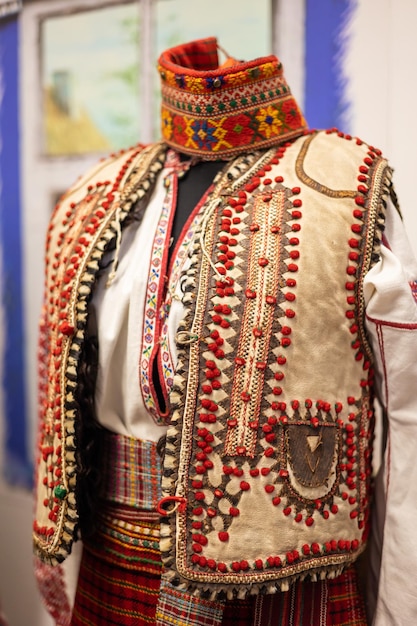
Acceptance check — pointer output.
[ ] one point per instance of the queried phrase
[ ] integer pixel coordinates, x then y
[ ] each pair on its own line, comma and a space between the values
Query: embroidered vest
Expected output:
268, 457
83, 224
270, 436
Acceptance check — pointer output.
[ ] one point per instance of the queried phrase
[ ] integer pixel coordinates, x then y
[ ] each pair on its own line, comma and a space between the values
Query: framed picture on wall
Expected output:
90, 66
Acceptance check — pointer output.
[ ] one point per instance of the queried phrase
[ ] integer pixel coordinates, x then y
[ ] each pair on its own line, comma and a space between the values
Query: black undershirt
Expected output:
191, 188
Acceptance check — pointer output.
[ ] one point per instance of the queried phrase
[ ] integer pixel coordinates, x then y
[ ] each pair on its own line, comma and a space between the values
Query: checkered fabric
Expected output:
182, 609
200, 55
305, 604
335, 602
119, 576
346, 604
139, 488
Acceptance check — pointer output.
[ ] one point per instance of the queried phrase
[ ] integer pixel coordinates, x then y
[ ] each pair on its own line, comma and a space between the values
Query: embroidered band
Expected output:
217, 111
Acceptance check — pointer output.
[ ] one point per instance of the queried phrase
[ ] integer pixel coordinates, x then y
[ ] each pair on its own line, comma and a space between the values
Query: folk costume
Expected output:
256, 343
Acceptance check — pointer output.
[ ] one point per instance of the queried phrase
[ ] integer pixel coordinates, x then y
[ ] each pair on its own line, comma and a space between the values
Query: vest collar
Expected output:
217, 112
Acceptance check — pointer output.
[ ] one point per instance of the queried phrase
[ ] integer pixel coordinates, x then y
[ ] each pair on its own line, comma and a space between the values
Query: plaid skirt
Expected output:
120, 576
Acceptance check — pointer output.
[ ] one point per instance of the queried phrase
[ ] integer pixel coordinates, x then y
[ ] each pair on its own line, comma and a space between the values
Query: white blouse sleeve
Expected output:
391, 322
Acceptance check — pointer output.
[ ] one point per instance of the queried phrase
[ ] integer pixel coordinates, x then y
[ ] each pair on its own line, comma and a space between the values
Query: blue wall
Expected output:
16, 463
325, 45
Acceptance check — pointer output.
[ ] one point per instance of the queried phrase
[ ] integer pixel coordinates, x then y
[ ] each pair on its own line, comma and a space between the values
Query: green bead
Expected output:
60, 492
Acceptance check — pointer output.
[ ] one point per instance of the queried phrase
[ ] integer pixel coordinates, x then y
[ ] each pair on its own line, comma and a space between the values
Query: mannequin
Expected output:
241, 254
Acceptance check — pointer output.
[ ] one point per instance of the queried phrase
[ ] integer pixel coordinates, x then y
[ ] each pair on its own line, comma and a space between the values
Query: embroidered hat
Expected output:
217, 112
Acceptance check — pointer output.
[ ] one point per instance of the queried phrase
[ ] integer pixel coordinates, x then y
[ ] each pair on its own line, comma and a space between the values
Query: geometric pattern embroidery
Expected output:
151, 321
155, 344
218, 113
176, 270
225, 135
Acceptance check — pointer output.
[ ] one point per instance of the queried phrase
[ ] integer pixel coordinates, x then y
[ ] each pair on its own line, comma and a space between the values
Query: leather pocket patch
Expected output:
312, 453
